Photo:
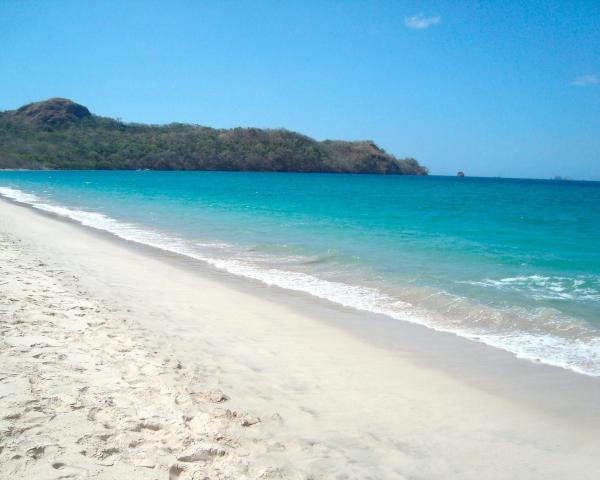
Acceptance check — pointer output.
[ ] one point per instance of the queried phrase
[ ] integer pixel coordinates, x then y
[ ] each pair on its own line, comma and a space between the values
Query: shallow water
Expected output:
513, 263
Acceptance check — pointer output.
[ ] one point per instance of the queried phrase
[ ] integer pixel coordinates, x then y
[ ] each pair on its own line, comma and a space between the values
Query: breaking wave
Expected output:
543, 334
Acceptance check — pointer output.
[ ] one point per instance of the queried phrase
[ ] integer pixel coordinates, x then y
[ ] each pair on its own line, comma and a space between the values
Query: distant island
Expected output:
61, 134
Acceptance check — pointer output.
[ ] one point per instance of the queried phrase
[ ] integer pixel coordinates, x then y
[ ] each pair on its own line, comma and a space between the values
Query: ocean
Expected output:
511, 263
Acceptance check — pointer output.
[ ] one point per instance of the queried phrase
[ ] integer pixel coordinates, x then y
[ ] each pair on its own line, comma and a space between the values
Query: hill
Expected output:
61, 134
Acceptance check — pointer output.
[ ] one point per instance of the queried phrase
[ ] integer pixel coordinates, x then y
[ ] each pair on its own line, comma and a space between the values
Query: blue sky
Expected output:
497, 88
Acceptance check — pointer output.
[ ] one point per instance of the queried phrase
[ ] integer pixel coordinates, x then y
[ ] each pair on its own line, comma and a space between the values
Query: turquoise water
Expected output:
512, 263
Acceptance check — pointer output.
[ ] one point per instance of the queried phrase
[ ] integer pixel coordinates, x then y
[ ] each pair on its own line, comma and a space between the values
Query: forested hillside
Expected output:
61, 134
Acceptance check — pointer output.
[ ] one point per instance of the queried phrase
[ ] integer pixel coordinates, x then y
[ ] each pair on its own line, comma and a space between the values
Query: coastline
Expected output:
519, 312
349, 397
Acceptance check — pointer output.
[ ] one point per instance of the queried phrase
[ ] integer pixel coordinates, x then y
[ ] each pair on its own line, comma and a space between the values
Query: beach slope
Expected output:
118, 361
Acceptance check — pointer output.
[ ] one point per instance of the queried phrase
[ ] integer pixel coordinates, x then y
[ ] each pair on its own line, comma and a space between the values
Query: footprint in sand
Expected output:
175, 471
201, 454
69, 471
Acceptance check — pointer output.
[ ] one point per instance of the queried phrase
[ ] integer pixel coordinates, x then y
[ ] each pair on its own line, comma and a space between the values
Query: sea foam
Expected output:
580, 354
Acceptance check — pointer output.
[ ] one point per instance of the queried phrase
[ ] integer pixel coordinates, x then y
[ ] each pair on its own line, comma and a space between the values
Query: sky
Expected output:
495, 88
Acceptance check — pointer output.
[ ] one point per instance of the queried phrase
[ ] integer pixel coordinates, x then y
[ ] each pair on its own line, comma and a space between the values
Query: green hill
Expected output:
61, 134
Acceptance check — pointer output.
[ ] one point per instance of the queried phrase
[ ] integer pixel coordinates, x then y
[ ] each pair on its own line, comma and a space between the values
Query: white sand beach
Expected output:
119, 361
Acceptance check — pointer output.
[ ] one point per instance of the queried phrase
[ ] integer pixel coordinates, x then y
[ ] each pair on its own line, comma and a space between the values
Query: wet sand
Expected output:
117, 360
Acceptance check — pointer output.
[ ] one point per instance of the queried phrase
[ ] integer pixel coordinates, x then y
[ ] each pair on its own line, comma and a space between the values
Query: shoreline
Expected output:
447, 175
371, 326
549, 349
281, 350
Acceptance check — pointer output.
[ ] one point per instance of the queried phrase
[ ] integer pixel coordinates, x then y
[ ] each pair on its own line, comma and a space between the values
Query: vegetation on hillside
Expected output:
60, 134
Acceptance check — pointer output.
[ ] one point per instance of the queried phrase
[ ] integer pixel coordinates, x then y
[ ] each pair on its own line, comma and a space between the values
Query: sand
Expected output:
122, 362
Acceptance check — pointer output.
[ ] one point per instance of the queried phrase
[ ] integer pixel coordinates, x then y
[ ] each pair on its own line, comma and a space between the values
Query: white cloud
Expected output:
586, 80
420, 22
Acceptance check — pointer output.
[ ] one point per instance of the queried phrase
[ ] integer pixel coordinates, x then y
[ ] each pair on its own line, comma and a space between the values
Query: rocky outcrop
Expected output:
54, 112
